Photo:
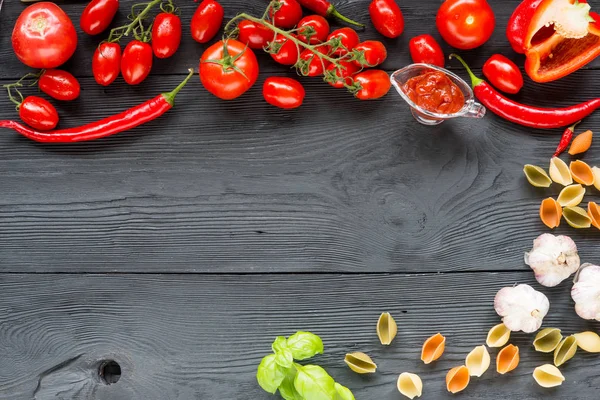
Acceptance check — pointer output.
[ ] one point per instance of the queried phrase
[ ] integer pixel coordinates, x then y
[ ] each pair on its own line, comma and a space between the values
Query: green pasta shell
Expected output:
536, 176
547, 340
565, 350
577, 217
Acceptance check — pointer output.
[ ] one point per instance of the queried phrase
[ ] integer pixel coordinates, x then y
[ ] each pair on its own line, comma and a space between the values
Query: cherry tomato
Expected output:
256, 35
59, 84
313, 29
374, 83
283, 92
288, 15
207, 21
310, 64
98, 15
38, 113
342, 75
106, 63
288, 52
387, 17
503, 74
228, 76
345, 40
371, 53
136, 62
465, 24
425, 49
166, 35
44, 36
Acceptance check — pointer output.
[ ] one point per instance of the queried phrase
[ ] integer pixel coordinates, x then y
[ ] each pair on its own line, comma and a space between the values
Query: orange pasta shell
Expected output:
457, 379
550, 213
582, 173
507, 359
594, 213
433, 348
581, 143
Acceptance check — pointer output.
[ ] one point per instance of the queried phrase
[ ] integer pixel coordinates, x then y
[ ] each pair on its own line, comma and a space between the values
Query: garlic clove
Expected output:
548, 376
478, 361
582, 173
410, 385
577, 217
547, 340
457, 379
565, 350
588, 341
507, 359
386, 328
360, 363
559, 172
571, 195
498, 336
586, 292
522, 308
433, 348
594, 214
552, 259
536, 176
596, 172
550, 213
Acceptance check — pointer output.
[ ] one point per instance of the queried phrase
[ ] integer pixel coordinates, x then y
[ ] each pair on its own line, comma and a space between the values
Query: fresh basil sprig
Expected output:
278, 371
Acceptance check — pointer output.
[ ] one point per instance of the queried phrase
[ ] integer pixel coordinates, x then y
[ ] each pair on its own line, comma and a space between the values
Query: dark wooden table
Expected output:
180, 249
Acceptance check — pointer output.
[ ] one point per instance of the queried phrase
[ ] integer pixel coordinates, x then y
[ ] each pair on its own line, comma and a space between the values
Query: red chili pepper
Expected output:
128, 119
534, 117
565, 140
326, 9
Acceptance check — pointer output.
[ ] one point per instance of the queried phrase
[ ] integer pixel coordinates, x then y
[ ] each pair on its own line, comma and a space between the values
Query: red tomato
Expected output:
256, 35
283, 92
371, 53
288, 52
313, 29
288, 14
345, 40
136, 62
342, 75
38, 113
232, 75
59, 84
465, 24
44, 36
503, 74
106, 63
374, 83
310, 64
166, 35
98, 15
424, 49
207, 21
387, 17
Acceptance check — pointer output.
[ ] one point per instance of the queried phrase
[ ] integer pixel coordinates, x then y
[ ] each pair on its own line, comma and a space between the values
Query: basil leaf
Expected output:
314, 383
269, 374
280, 343
304, 345
287, 389
343, 393
284, 358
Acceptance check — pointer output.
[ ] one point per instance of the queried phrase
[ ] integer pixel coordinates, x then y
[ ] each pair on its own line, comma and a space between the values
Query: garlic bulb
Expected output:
521, 307
586, 292
553, 259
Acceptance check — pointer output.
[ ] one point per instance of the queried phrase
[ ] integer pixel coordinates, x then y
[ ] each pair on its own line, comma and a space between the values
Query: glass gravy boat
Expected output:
471, 109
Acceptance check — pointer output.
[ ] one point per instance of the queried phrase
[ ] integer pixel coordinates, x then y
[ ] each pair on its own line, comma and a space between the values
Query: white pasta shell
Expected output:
410, 385
588, 341
596, 172
559, 172
478, 361
548, 376
571, 195
498, 336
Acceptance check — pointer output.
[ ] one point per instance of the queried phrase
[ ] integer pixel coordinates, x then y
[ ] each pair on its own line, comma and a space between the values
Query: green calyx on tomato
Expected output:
227, 62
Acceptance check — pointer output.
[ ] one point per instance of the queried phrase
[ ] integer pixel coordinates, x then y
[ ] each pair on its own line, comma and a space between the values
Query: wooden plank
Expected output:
202, 337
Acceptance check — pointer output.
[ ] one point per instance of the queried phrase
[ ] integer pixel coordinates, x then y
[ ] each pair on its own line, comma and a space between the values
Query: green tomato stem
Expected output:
117, 33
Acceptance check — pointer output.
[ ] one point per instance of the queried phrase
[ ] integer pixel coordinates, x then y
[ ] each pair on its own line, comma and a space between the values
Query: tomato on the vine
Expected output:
38, 113
98, 15
228, 69
287, 54
207, 21
59, 84
370, 53
313, 29
44, 36
136, 62
166, 35
341, 75
106, 63
465, 24
310, 64
288, 14
345, 40
425, 49
374, 83
283, 92
387, 17
255, 35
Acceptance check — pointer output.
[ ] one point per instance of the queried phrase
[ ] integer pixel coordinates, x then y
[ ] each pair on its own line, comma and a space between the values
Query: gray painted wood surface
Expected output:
182, 248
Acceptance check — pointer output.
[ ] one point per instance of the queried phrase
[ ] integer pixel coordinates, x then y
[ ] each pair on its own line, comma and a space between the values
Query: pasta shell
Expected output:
581, 143
478, 361
498, 336
410, 385
577, 217
550, 213
559, 172
547, 340
548, 376
594, 213
360, 363
581, 173
433, 348
457, 379
507, 359
571, 195
386, 328
588, 341
565, 350
596, 172
536, 176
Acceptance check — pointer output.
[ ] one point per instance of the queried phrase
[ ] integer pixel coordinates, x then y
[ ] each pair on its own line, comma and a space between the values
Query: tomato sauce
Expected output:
434, 92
